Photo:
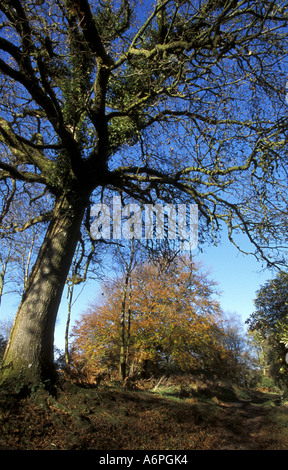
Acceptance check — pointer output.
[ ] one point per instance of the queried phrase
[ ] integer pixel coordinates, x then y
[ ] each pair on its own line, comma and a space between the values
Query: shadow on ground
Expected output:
190, 416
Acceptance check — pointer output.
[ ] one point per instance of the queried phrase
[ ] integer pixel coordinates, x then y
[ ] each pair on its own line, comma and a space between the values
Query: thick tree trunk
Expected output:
30, 350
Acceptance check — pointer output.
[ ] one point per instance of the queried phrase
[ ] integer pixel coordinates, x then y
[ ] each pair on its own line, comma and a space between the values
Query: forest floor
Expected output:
182, 414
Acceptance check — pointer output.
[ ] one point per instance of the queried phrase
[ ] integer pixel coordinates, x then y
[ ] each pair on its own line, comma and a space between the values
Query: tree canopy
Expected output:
268, 324
173, 319
271, 308
187, 104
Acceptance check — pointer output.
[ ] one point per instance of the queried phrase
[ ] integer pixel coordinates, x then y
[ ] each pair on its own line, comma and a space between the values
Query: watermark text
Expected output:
152, 221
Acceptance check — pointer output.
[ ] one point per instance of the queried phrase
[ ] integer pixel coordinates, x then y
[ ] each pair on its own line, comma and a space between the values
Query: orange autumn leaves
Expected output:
172, 319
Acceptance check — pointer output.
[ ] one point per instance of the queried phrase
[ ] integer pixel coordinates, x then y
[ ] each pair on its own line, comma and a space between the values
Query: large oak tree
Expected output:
172, 100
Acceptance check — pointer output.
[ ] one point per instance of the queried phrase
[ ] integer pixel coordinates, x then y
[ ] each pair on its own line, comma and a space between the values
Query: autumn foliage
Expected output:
172, 320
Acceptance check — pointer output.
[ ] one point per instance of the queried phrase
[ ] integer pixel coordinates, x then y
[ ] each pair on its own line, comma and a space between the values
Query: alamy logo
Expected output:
154, 221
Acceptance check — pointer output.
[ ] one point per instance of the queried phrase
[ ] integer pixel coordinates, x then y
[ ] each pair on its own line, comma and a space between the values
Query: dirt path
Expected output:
83, 419
246, 425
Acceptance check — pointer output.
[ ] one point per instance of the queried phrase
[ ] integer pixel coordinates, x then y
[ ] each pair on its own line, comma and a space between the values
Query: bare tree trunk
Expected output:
4, 264
70, 298
30, 349
123, 364
125, 340
128, 323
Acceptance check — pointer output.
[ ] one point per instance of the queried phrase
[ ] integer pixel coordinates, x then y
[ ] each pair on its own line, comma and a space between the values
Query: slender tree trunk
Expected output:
128, 324
30, 350
70, 298
123, 340
123, 335
4, 265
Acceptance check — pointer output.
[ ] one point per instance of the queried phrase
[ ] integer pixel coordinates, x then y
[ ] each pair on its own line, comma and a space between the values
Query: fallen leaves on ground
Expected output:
113, 418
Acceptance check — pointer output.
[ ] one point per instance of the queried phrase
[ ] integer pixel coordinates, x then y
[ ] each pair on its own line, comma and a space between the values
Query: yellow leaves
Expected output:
173, 317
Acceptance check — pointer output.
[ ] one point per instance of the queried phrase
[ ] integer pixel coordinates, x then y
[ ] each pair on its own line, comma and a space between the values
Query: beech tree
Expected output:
160, 100
174, 319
